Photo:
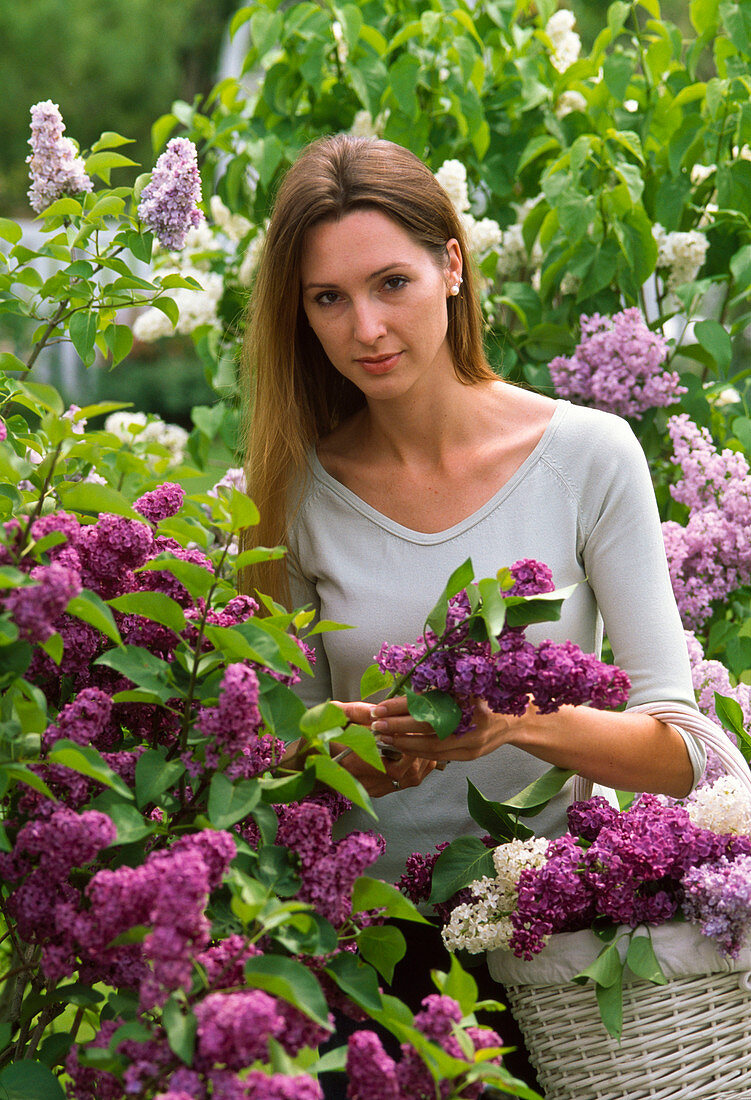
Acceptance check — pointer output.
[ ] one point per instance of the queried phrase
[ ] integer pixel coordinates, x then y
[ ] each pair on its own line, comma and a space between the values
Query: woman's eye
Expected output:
327, 298
395, 282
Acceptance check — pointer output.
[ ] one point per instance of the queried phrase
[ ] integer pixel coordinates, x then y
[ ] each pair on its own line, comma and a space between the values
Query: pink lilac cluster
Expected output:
718, 898
35, 608
617, 366
327, 867
710, 556
231, 727
169, 202
161, 503
373, 1075
551, 674
709, 677
258, 1085
55, 168
629, 867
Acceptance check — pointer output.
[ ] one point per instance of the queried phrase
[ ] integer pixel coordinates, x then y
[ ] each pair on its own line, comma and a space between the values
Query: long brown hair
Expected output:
294, 395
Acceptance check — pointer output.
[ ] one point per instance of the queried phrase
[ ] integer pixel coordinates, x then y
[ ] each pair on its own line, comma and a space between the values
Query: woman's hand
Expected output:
401, 771
394, 725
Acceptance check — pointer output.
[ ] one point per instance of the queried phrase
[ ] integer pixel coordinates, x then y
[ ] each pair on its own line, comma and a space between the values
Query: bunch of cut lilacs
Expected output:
474, 647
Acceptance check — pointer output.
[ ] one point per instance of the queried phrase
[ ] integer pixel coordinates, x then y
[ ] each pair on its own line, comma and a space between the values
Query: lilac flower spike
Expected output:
617, 366
169, 202
55, 167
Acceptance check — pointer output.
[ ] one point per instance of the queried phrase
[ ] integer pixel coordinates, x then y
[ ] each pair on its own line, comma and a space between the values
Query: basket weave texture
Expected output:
687, 1040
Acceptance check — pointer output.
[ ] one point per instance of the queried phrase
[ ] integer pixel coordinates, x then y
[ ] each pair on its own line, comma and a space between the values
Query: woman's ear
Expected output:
454, 265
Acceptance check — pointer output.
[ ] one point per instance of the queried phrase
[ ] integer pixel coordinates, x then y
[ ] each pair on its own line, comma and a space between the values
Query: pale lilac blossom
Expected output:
169, 202
55, 167
617, 366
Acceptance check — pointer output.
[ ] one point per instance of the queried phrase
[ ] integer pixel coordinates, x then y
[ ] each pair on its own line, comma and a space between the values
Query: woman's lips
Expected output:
380, 364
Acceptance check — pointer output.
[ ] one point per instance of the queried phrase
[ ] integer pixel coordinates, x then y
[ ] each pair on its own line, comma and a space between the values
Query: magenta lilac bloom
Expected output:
549, 675
169, 202
164, 501
617, 366
55, 168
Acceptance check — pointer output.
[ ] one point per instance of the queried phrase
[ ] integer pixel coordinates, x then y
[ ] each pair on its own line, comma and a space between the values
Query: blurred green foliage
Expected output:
119, 62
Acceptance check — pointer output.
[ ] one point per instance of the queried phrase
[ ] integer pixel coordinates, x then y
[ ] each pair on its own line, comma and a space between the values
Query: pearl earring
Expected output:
455, 288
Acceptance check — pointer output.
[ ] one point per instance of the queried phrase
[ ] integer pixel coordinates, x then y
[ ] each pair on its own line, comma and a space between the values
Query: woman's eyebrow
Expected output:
373, 275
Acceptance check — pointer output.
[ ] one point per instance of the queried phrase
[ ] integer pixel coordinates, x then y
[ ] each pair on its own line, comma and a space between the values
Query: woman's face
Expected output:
376, 300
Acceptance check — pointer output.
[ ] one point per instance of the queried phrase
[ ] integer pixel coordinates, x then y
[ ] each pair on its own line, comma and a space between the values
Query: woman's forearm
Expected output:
633, 752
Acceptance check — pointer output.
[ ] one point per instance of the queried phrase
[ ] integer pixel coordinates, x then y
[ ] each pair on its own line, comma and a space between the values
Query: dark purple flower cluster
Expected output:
374, 1075
161, 503
634, 867
550, 675
232, 725
327, 868
36, 608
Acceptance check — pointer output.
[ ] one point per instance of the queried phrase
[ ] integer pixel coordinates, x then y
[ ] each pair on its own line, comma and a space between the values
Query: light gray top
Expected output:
583, 503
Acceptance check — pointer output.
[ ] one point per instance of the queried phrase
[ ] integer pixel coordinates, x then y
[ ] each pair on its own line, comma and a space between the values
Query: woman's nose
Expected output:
369, 324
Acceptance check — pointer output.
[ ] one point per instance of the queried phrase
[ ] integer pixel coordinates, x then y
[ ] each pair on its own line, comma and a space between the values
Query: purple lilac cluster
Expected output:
551, 674
632, 868
617, 366
169, 202
327, 867
373, 1075
718, 898
416, 881
711, 555
55, 168
37, 607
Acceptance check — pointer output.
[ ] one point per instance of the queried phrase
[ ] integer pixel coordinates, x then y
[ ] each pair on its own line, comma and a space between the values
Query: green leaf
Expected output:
382, 946
119, 339
10, 230
288, 788
86, 760
82, 327
158, 607
493, 607
715, 339
259, 553
642, 960
606, 970
373, 680
617, 71
290, 980
465, 860
110, 140
437, 708
334, 775
91, 609
372, 893
544, 608
459, 579
322, 718
197, 579
460, 985
230, 802
23, 774
493, 818
29, 1080
131, 825
101, 164
356, 981
730, 714
142, 667
610, 1003
181, 1029
81, 496
154, 775
280, 708
363, 743
536, 796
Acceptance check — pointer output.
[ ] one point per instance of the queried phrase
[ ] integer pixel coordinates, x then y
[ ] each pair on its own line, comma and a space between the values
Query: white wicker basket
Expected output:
687, 1040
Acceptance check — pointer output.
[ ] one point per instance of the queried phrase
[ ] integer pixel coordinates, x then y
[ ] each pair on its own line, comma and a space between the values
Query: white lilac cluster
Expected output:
234, 478
681, 255
132, 426
724, 807
55, 168
484, 234
196, 307
569, 101
364, 125
484, 924
565, 41
342, 49
234, 226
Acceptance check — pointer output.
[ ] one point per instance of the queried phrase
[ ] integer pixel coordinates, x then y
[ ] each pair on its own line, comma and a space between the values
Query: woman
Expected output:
384, 451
